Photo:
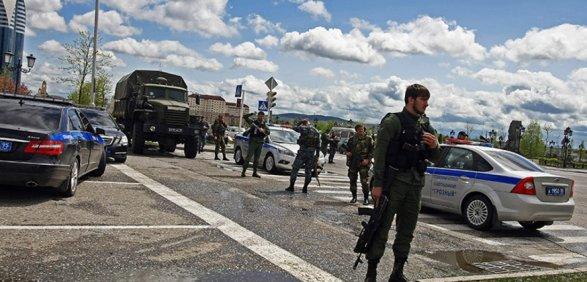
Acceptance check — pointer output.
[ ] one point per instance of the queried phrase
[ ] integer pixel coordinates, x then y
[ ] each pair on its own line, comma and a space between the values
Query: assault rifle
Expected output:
366, 236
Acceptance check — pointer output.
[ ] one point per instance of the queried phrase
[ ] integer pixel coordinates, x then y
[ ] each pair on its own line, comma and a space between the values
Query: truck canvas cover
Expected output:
128, 84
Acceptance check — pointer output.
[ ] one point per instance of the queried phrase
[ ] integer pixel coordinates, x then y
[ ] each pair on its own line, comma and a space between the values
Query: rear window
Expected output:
29, 116
514, 161
99, 118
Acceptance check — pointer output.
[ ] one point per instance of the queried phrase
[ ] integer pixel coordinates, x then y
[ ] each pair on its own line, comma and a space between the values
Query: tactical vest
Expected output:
309, 138
407, 151
254, 130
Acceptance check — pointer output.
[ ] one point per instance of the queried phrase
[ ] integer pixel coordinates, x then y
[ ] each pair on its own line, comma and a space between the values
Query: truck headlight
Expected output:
152, 128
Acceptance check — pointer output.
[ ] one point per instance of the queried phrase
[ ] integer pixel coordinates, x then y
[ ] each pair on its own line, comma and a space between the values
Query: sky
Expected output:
486, 63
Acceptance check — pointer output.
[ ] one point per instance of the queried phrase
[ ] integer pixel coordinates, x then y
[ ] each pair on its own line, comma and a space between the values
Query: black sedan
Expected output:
115, 139
47, 142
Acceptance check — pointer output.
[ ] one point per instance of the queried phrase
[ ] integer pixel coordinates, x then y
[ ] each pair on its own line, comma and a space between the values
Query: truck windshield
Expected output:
166, 93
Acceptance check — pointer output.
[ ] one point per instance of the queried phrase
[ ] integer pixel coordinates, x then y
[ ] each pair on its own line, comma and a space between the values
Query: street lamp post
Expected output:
30, 59
551, 143
566, 142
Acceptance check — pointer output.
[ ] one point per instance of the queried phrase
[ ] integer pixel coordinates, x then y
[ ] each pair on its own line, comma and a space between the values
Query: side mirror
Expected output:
100, 131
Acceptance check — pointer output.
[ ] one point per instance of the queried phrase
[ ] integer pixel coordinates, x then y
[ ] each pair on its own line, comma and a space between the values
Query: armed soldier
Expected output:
202, 135
257, 133
360, 152
324, 140
332, 146
218, 131
404, 141
308, 154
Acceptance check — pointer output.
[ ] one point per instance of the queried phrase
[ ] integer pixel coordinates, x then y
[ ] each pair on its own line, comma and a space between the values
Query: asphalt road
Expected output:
164, 217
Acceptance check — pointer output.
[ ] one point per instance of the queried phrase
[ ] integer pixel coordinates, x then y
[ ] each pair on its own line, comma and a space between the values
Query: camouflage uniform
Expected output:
361, 148
256, 140
307, 155
333, 145
324, 140
218, 130
202, 135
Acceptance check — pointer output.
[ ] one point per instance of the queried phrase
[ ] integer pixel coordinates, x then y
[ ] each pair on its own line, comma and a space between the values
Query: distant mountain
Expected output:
295, 116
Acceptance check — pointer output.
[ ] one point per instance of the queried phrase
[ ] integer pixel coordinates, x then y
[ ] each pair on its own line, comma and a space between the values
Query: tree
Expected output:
103, 86
532, 145
7, 85
324, 126
77, 63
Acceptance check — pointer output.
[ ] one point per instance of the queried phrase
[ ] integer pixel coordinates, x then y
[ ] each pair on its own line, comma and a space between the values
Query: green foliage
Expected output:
324, 126
532, 145
103, 86
581, 150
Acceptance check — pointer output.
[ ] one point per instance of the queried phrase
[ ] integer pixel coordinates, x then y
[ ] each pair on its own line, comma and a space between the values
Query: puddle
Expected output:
252, 276
477, 261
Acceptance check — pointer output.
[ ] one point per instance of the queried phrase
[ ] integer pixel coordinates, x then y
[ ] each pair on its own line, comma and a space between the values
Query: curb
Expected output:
507, 275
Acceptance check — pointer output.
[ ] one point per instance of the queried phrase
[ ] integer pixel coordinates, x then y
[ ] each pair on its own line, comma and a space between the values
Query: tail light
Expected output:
525, 187
44, 147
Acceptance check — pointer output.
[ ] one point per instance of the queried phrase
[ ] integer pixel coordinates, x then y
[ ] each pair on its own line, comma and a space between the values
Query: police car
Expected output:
487, 185
279, 150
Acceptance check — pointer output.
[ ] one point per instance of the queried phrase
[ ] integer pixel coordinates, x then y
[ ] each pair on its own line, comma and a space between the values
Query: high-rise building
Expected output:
12, 27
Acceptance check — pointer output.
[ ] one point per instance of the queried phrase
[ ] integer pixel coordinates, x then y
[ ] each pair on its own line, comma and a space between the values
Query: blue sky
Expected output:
485, 62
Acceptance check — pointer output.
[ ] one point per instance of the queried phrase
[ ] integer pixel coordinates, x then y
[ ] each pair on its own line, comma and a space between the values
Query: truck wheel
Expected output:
138, 140
191, 147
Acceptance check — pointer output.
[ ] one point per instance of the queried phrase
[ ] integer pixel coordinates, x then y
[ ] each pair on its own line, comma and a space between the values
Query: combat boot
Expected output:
371, 270
216, 158
289, 189
224, 158
354, 199
397, 275
366, 199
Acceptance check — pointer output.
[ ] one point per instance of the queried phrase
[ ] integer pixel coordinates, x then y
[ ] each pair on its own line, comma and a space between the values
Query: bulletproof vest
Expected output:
309, 137
254, 130
407, 151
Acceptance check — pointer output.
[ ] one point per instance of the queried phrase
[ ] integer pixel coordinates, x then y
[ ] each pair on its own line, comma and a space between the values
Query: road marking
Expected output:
99, 227
111, 182
560, 259
526, 275
460, 235
561, 227
273, 253
572, 240
331, 192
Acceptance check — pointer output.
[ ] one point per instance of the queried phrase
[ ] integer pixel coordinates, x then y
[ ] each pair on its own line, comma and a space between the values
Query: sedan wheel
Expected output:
270, 163
69, 186
478, 212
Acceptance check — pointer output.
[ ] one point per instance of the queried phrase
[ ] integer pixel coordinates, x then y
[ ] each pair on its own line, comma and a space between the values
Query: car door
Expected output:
429, 176
453, 177
83, 147
94, 144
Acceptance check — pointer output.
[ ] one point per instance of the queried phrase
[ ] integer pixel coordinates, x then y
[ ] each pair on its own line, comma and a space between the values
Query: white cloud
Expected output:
262, 65
333, 44
43, 15
166, 51
53, 47
111, 22
261, 25
244, 50
268, 41
316, 9
205, 17
426, 35
323, 72
563, 42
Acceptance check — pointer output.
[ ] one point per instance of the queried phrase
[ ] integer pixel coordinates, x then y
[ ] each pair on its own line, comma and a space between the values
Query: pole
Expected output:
240, 118
96, 11
18, 67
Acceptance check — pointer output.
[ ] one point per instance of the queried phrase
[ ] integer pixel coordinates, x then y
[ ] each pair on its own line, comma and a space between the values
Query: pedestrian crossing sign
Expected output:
263, 107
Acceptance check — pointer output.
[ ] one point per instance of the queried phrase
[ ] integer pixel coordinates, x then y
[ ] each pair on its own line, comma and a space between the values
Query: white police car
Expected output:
279, 150
488, 185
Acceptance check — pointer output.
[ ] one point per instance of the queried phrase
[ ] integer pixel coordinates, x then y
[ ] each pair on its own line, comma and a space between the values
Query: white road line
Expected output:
455, 227
555, 227
273, 253
110, 182
572, 240
460, 235
332, 192
99, 227
560, 259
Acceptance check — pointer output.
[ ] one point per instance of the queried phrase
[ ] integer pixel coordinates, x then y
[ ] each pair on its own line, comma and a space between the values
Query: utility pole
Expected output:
96, 11
240, 118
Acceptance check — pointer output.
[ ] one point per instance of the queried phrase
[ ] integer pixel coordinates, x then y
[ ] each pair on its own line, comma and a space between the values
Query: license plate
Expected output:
5, 146
176, 130
555, 191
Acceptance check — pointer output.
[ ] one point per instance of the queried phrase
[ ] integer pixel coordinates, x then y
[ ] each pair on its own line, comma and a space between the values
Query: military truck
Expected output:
153, 106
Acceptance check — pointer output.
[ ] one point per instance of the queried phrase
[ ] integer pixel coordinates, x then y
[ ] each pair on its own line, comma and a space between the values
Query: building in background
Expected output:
211, 106
12, 28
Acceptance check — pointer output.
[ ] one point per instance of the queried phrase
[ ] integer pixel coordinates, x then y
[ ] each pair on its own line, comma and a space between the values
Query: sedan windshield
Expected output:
284, 136
514, 161
98, 118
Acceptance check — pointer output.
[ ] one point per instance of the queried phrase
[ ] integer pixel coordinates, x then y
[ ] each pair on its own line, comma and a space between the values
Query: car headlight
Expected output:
286, 152
123, 140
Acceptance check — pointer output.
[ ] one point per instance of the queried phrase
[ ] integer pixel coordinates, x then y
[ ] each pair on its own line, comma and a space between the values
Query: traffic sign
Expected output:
239, 90
263, 106
271, 83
